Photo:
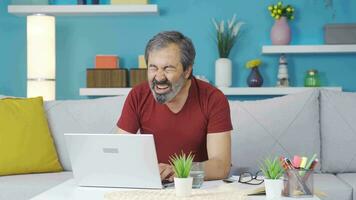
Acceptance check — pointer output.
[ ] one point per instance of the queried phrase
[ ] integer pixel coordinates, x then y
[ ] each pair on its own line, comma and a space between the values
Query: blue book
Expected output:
63, 2
74, 2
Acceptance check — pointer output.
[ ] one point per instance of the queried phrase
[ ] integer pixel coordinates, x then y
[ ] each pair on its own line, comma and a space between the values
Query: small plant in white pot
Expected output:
273, 171
181, 166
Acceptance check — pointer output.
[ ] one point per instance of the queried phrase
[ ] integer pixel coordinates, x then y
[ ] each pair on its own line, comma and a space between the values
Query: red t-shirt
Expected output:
206, 110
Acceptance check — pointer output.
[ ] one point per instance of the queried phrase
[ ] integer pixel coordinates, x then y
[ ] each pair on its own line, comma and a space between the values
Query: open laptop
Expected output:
114, 160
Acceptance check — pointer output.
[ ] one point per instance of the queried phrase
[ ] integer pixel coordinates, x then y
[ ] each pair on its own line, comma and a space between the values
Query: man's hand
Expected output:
166, 172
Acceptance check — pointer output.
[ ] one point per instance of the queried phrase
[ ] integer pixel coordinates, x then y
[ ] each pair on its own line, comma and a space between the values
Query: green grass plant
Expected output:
182, 164
272, 169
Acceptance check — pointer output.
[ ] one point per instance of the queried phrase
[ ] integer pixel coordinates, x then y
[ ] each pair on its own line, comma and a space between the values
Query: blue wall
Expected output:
79, 39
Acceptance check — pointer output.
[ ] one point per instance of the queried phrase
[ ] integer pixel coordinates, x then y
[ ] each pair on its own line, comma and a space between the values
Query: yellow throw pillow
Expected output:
26, 145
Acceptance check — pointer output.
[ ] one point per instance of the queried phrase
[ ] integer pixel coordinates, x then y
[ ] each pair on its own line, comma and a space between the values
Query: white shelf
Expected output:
83, 10
103, 91
277, 49
232, 91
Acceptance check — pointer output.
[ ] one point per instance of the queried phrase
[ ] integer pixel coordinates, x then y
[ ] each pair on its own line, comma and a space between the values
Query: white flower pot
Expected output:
183, 186
223, 72
273, 189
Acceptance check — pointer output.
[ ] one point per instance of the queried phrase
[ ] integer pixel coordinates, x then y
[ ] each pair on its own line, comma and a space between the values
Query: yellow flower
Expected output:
278, 10
253, 63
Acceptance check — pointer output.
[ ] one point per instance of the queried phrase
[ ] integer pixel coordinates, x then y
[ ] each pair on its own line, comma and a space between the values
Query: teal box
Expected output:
63, 2
105, 1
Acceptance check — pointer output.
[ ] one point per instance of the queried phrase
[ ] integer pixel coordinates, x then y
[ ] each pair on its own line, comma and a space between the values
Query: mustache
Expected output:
162, 82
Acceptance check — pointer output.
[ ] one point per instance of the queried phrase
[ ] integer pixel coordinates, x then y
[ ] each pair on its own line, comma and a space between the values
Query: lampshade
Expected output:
41, 56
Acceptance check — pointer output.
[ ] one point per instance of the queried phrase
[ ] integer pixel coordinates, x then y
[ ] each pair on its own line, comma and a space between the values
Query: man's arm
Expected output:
219, 154
120, 131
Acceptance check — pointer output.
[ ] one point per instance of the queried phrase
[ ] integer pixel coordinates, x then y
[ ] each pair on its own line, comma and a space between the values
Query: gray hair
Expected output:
163, 39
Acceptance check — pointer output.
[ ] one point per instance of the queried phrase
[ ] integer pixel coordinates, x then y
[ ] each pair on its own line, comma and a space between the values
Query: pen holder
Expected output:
298, 183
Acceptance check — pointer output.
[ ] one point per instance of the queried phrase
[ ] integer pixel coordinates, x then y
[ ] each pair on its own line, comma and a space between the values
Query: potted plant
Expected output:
280, 32
226, 36
181, 166
273, 171
254, 79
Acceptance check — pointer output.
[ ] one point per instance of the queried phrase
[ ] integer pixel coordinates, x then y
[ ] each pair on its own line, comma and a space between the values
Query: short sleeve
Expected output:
219, 119
129, 119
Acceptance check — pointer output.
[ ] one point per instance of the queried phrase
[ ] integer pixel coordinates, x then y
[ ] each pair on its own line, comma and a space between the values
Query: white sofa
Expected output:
305, 123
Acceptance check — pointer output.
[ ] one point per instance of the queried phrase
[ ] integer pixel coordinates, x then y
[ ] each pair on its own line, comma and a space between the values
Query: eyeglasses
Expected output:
249, 178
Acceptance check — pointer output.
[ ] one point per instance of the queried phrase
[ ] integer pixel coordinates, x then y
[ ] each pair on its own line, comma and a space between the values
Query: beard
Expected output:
173, 89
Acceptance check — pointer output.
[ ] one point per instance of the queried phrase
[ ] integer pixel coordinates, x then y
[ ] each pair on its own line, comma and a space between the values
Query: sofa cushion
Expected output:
287, 125
338, 131
82, 116
23, 187
332, 186
350, 179
26, 145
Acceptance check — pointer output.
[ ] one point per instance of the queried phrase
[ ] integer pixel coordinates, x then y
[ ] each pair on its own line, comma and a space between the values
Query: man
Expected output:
183, 113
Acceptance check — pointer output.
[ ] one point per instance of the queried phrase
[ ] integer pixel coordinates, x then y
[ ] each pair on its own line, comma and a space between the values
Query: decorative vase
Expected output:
82, 2
254, 79
280, 32
223, 72
183, 186
274, 189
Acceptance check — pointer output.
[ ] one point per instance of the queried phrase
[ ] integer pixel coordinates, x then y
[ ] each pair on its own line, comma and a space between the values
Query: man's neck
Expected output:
177, 103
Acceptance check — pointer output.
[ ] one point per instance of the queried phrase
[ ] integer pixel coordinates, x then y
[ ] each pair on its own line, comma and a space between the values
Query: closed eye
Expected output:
169, 68
153, 68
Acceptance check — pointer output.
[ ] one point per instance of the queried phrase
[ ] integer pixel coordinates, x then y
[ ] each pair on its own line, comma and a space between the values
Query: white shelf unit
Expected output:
83, 10
230, 91
300, 49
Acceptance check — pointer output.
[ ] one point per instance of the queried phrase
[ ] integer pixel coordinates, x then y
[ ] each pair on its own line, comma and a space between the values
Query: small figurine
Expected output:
283, 80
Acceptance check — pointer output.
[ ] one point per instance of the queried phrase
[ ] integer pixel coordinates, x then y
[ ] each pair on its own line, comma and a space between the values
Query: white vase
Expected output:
273, 189
183, 186
223, 72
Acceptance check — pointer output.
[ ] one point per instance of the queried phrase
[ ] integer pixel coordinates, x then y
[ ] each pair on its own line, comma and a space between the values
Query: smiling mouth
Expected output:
161, 89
